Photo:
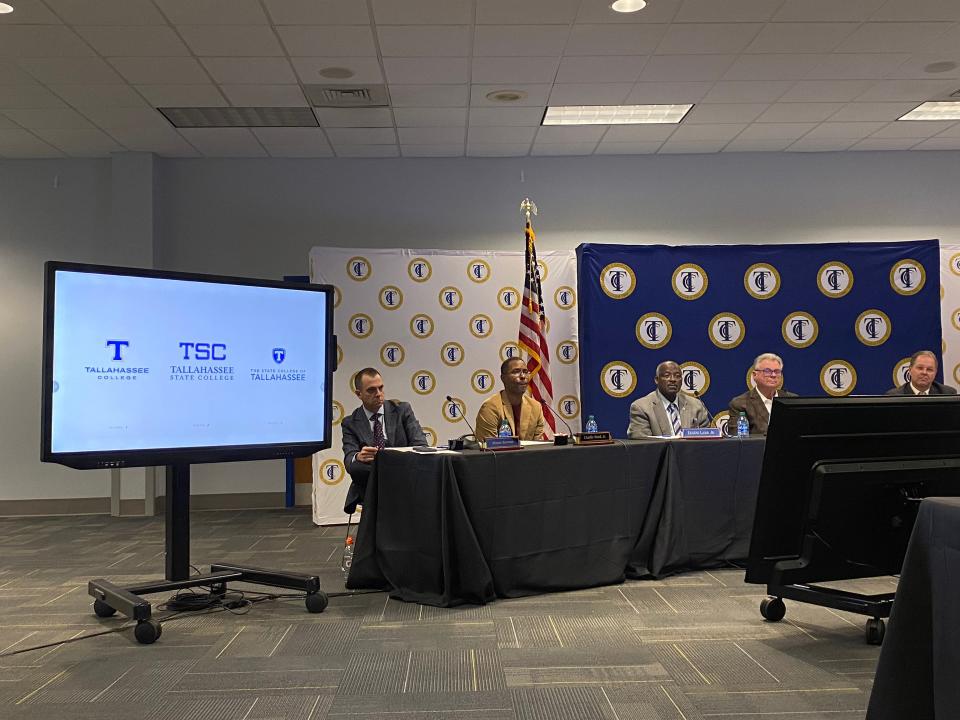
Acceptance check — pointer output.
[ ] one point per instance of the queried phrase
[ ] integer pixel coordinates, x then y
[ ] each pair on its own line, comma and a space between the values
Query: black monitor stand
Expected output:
110, 599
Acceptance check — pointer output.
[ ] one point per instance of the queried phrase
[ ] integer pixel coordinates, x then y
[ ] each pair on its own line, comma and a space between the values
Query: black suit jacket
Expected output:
400, 429
935, 389
752, 404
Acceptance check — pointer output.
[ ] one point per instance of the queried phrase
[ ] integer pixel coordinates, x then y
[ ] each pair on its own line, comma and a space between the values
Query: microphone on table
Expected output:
462, 443
559, 439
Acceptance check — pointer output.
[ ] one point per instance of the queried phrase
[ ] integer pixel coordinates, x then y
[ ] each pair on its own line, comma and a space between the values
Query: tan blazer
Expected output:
496, 407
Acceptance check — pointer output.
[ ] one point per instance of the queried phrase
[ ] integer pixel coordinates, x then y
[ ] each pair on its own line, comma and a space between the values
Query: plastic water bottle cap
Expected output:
349, 541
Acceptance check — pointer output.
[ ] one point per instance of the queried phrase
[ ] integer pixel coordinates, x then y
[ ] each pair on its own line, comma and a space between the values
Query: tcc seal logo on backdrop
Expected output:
423, 382
838, 378
907, 277
568, 406
835, 279
336, 413
617, 281
430, 434
873, 327
694, 378
726, 330
565, 297
451, 354
508, 298
690, 281
361, 325
478, 270
421, 326
453, 410
722, 421
391, 297
955, 264
450, 298
567, 352
509, 350
653, 330
482, 381
392, 354
762, 281
618, 379
901, 372
331, 472
419, 270
359, 269
800, 329
481, 326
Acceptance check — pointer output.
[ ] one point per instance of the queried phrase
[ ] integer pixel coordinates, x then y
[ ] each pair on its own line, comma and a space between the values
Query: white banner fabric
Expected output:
950, 312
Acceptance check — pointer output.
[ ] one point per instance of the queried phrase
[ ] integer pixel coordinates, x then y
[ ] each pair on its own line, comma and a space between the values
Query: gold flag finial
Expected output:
527, 207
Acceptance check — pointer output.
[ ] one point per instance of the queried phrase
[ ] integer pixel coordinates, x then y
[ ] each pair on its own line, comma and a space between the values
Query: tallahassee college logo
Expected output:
694, 378
478, 270
482, 381
361, 325
419, 270
618, 379
481, 326
689, 281
838, 378
421, 326
761, 281
453, 411
567, 352
907, 277
451, 354
835, 279
653, 331
392, 354
391, 297
331, 472
358, 268
450, 298
617, 281
901, 372
722, 421
508, 297
423, 382
509, 350
565, 297
873, 327
726, 330
336, 413
800, 329
279, 355
568, 406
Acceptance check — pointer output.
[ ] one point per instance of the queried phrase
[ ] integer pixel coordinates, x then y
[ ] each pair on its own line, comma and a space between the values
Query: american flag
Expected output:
533, 334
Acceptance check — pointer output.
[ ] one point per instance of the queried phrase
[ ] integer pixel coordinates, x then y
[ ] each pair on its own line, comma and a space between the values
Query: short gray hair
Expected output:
920, 353
767, 356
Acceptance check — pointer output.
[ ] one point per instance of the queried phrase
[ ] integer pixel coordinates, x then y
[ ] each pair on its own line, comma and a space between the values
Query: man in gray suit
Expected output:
666, 410
757, 403
374, 425
923, 370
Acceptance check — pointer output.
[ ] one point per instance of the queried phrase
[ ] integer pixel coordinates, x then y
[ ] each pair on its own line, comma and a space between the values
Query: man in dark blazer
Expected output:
374, 425
757, 403
923, 370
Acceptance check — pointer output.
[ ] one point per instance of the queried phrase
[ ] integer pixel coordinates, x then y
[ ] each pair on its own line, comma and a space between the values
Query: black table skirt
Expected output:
447, 529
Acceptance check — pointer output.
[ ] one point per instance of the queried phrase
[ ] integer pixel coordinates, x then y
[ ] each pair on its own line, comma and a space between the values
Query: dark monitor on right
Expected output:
841, 482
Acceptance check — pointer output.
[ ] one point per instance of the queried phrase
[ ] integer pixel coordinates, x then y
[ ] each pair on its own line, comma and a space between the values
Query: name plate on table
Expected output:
511, 442
701, 433
601, 437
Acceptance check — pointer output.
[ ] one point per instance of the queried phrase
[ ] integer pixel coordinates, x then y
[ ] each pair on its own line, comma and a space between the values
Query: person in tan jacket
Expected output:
523, 413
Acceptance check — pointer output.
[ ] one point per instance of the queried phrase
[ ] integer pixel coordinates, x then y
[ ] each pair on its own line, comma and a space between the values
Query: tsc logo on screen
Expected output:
478, 270
279, 355
690, 281
694, 378
392, 354
115, 352
482, 381
509, 350
331, 472
800, 329
568, 406
508, 298
617, 281
453, 410
360, 325
873, 327
653, 330
565, 297
273, 375
907, 277
835, 279
481, 326
202, 352
391, 297
838, 378
423, 382
762, 281
421, 326
567, 352
726, 330
901, 372
618, 379
419, 269
450, 298
451, 354
721, 421
358, 268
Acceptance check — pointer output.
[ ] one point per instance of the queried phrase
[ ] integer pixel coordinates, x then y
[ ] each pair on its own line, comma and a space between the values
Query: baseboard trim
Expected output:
134, 507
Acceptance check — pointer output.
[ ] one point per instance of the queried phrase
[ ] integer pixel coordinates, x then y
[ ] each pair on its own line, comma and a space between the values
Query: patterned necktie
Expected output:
675, 418
378, 439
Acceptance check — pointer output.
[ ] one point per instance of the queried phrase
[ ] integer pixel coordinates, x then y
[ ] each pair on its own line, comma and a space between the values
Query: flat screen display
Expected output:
140, 365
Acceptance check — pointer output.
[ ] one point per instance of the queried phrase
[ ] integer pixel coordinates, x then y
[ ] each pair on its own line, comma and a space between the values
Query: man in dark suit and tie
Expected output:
757, 403
923, 370
374, 425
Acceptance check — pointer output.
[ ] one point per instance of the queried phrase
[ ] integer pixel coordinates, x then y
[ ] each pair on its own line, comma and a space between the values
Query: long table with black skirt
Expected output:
451, 528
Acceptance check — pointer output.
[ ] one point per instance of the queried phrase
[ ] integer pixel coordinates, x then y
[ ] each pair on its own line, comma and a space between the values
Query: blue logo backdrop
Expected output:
843, 316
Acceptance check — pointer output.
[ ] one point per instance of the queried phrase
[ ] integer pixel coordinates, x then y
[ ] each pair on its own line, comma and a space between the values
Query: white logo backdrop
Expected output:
950, 312
436, 323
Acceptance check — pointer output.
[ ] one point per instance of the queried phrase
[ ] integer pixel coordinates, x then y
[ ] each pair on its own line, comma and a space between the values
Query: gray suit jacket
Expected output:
935, 389
752, 404
647, 416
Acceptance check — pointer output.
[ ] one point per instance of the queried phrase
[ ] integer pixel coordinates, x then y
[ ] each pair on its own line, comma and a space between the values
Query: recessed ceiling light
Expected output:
615, 114
628, 6
336, 73
942, 110
506, 96
4, 8
939, 67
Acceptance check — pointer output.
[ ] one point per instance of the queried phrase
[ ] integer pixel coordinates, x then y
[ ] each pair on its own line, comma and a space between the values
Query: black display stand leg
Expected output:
110, 599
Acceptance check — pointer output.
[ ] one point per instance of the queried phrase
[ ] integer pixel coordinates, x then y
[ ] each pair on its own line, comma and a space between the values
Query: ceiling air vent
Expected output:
347, 96
233, 117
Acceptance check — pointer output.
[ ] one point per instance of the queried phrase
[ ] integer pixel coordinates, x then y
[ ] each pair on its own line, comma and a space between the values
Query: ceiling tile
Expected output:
590, 94
857, 66
536, 94
891, 90
724, 113
50, 119
31, 12
885, 144
707, 39
826, 90
798, 112
600, 69
423, 12
367, 151
107, 12
772, 66
660, 68
508, 40
946, 43
725, 132
503, 116
410, 41
224, 142
914, 66
81, 143
294, 142
673, 146
433, 150
857, 111
838, 130
365, 70
213, 12
736, 91
514, 69
676, 93
919, 10
893, 37
362, 136
511, 135
182, 95
526, 12
763, 132
231, 40
160, 140
801, 37
614, 39
344, 40
265, 96
429, 95
627, 148
161, 71
820, 144
83, 96
246, 71
41, 41
565, 148
738, 144
937, 143
139, 119
701, 11
11, 74
317, 12
143, 41
19, 143
426, 70
913, 129
430, 117
826, 10
69, 71
429, 135
354, 117
953, 131
498, 149
639, 133
571, 134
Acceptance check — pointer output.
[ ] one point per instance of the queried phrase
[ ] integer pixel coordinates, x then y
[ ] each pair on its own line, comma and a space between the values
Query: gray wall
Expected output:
261, 217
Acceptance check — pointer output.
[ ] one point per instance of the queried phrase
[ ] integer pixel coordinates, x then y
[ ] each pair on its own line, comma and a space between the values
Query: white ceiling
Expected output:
81, 78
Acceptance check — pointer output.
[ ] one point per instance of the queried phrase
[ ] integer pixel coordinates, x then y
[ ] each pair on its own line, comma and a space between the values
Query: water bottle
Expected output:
504, 429
347, 560
743, 427
591, 424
